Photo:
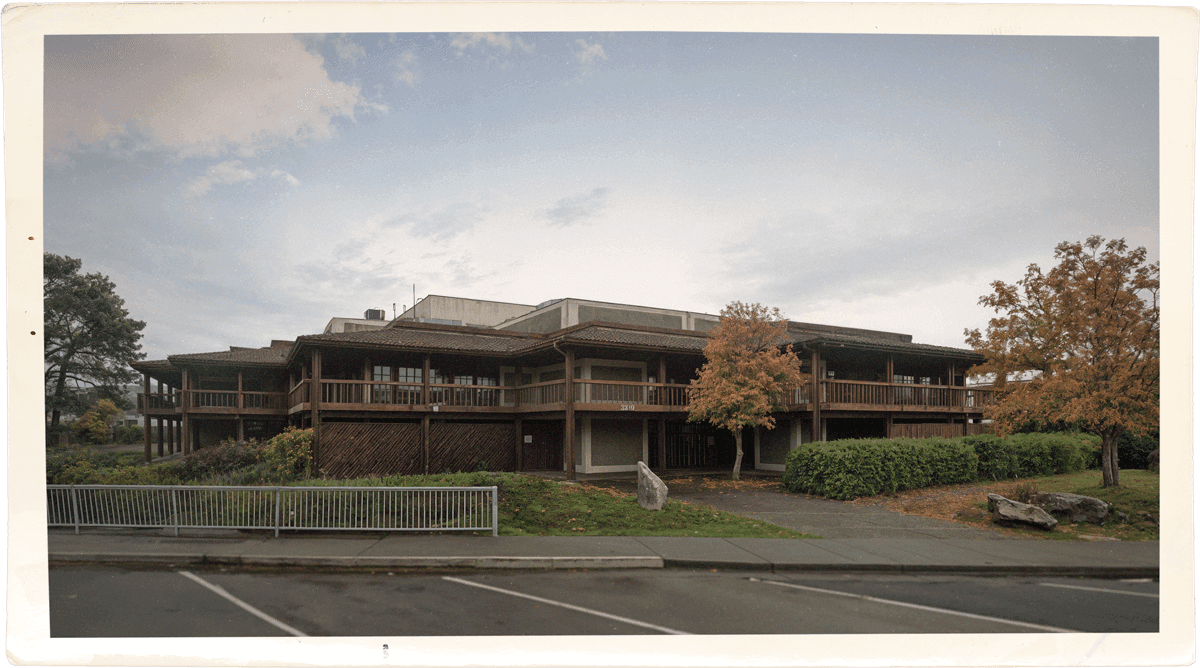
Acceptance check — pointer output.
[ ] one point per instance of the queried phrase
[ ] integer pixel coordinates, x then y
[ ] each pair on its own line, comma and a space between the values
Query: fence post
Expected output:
495, 511
75, 509
277, 511
175, 510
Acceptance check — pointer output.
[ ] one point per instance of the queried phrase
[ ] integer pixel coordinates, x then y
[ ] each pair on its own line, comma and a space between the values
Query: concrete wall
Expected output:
774, 444
470, 312
628, 316
544, 322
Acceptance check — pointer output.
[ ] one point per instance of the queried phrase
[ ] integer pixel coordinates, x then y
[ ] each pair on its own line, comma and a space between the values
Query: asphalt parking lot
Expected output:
107, 601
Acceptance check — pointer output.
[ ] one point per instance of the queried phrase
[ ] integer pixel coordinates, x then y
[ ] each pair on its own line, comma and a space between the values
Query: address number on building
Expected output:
629, 407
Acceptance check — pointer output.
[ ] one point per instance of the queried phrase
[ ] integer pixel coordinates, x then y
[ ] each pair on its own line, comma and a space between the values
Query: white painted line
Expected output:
568, 606
243, 605
864, 597
1104, 591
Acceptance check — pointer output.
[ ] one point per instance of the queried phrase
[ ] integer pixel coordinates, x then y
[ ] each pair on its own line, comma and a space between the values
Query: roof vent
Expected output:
375, 314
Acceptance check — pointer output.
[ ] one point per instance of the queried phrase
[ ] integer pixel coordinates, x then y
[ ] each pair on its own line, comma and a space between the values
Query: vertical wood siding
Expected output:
359, 450
455, 446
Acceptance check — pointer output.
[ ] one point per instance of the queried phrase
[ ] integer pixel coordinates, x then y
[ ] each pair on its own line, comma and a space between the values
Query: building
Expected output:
416, 396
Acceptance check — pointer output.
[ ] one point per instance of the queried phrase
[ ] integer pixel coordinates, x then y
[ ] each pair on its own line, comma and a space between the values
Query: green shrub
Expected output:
95, 426
129, 435
865, 467
224, 458
288, 456
1133, 452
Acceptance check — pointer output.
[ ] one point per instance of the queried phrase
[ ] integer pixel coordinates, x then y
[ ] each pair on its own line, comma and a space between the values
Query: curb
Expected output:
595, 563
353, 562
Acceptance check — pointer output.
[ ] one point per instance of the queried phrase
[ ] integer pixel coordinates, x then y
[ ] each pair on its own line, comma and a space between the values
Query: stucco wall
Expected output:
616, 442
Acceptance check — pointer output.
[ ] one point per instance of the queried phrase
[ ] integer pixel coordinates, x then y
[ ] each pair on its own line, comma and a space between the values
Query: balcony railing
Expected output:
616, 394
893, 394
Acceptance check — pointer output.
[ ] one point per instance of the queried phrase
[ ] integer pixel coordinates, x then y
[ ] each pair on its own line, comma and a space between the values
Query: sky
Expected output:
244, 188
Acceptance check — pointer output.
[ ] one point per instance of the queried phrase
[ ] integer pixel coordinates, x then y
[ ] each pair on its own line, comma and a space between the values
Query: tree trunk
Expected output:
1108, 459
737, 461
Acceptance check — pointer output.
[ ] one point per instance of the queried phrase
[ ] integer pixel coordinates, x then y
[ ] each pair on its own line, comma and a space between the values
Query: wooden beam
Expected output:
569, 417
662, 443
315, 403
173, 424
816, 396
146, 413
425, 381
185, 428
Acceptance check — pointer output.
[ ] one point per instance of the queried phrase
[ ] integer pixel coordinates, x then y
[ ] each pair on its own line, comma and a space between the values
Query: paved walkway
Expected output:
1112, 559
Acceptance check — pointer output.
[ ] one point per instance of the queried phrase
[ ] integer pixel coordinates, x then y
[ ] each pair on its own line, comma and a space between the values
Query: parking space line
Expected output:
917, 606
1104, 591
568, 606
242, 604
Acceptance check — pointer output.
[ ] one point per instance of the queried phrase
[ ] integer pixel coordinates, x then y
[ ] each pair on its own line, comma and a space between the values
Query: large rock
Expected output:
1007, 511
652, 491
1073, 507
1152, 461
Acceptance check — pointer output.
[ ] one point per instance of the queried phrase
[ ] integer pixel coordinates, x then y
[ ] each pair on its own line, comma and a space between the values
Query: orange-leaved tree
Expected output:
1088, 330
748, 371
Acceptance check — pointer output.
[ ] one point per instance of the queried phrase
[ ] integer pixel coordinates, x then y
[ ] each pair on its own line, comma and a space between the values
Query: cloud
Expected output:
441, 224
229, 173
499, 41
404, 68
347, 50
571, 210
589, 52
188, 95
287, 178
225, 173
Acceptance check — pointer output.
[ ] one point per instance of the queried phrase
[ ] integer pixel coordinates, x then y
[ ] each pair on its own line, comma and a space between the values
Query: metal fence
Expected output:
278, 508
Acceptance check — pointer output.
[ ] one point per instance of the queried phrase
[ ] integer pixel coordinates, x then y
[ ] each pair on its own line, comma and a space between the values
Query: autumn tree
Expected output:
89, 337
748, 370
95, 426
1089, 331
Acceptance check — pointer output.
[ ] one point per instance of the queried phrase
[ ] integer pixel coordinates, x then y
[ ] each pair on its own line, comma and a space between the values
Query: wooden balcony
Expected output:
218, 402
857, 395
590, 395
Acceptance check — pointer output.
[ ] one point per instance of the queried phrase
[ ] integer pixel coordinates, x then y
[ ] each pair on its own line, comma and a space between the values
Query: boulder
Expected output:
1073, 507
1007, 511
652, 491
1152, 461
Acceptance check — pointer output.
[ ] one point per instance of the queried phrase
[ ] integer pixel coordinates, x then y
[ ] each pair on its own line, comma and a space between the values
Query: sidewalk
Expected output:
404, 551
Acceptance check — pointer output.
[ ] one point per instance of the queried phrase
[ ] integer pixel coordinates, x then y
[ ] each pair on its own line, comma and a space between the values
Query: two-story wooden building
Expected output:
574, 385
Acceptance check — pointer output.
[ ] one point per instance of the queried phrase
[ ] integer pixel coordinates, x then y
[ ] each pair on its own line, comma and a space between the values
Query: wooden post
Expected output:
146, 413
241, 402
816, 396
315, 395
172, 425
890, 397
425, 381
662, 443
185, 428
569, 418
520, 444
160, 420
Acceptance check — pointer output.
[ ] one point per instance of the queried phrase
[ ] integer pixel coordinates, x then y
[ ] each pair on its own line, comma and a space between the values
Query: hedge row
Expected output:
865, 467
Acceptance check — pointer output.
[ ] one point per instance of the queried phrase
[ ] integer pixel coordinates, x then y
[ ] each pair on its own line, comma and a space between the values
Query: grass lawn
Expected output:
1137, 497
535, 506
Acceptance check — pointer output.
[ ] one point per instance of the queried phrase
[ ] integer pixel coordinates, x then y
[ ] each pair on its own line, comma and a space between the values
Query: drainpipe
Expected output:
569, 406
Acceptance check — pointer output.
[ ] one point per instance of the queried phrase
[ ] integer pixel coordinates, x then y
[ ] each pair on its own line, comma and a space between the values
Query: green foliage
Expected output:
288, 456
90, 340
852, 468
1134, 451
95, 426
218, 460
864, 467
128, 435
85, 466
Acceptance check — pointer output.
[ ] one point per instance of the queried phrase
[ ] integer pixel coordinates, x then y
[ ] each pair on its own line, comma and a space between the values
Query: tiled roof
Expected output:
275, 356
633, 337
430, 338
873, 342
152, 365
